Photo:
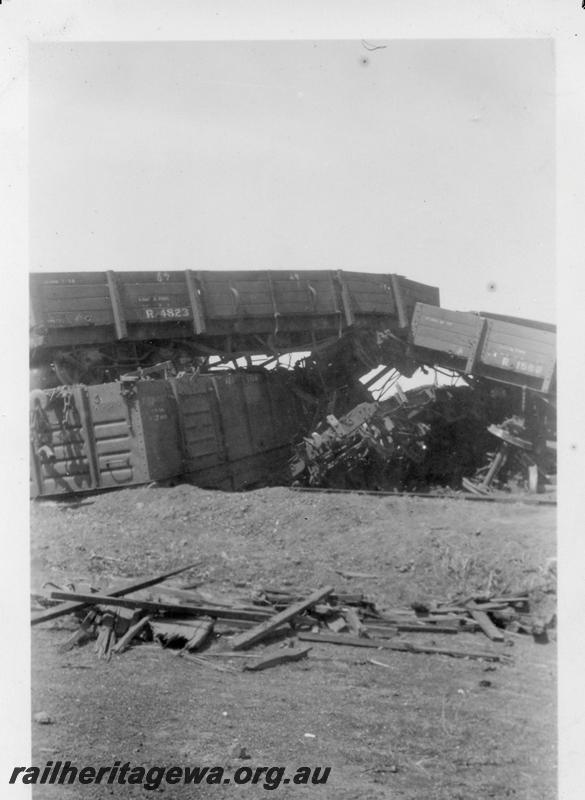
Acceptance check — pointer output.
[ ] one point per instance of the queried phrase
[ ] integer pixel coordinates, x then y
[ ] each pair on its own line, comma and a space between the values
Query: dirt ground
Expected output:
424, 726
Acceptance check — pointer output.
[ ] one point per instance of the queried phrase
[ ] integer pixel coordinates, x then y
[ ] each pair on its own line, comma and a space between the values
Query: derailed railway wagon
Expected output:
509, 367
96, 425
92, 327
223, 430
99, 420
510, 350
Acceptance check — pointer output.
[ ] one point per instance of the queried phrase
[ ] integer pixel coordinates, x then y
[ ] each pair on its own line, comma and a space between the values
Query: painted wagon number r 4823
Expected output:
167, 313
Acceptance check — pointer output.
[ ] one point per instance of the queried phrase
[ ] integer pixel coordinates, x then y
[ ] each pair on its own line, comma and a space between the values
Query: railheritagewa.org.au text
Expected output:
152, 777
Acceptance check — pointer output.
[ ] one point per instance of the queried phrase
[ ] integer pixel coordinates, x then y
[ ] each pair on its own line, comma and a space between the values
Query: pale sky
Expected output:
431, 159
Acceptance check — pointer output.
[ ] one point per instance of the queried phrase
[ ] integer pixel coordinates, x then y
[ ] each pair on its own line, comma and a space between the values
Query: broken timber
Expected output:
107, 635
254, 635
405, 647
355, 624
70, 607
284, 656
485, 623
204, 629
123, 643
82, 633
337, 625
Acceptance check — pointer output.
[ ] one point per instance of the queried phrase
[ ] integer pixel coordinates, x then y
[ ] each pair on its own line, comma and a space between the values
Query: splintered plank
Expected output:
163, 608
282, 657
485, 623
380, 631
70, 607
107, 635
258, 632
354, 622
123, 643
337, 625
405, 647
200, 635
82, 633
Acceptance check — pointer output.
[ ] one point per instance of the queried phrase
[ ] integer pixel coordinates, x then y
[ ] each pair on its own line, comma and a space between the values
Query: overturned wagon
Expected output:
227, 431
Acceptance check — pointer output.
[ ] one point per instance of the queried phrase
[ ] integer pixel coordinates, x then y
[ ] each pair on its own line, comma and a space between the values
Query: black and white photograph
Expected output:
292, 490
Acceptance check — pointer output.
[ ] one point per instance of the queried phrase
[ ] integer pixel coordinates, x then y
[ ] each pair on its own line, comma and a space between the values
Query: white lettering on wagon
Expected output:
167, 313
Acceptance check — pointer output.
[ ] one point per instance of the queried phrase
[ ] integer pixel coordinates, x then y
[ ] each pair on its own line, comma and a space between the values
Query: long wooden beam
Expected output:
260, 631
163, 608
405, 647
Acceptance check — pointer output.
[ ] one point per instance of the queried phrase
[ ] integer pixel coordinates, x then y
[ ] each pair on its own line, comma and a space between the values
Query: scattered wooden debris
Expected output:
69, 607
496, 616
82, 634
203, 630
133, 631
259, 632
283, 656
355, 624
337, 624
106, 636
485, 623
382, 631
161, 608
197, 620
